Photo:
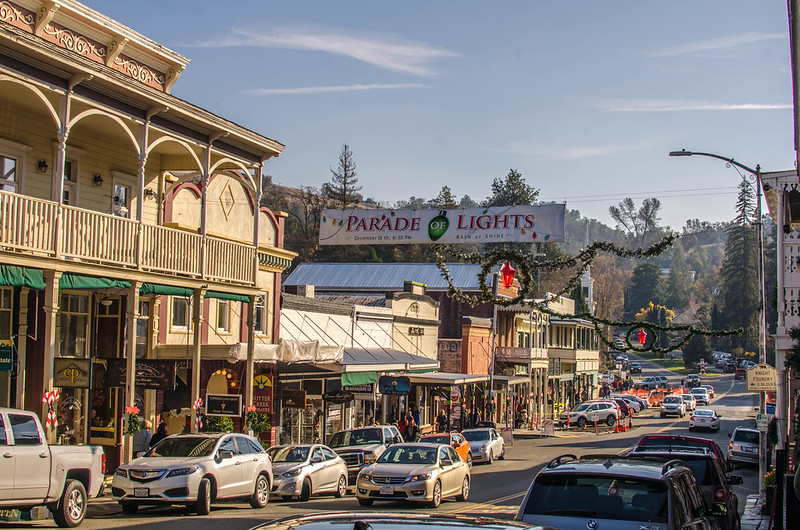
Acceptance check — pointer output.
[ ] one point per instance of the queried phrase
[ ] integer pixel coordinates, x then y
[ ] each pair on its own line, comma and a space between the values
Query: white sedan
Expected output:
305, 470
485, 445
704, 419
192, 469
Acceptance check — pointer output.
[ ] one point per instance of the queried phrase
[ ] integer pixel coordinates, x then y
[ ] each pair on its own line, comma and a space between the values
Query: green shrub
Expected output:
217, 424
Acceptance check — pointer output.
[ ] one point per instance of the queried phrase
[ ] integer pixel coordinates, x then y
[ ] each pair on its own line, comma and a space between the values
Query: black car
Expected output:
730, 368
635, 368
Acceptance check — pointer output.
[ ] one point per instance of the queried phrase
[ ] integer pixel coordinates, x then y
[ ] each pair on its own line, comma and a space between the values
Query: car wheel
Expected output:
464, 491
305, 493
203, 503
71, 507
581, 423
437, 495
663, 415
128, 508
490, 457
365, 502
260, 496
341, 488
610, 421
469, 460
691, 429
502, 453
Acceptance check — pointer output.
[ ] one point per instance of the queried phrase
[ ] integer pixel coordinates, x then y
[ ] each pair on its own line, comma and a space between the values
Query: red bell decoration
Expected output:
507, 272
642, 336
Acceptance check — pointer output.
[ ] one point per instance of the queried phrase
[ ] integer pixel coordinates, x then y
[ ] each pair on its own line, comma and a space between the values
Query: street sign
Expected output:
762, 378
762, 421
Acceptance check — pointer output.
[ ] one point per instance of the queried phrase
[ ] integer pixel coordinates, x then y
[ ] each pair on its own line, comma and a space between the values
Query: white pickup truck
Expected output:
33, 473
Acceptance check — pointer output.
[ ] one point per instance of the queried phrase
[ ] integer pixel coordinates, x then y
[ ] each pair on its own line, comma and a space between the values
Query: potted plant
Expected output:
769, 491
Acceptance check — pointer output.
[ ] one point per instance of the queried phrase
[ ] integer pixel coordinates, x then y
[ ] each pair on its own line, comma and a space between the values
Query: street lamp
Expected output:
762, 328
507, 271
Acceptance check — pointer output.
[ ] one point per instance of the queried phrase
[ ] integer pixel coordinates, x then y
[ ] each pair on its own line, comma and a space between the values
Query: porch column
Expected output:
143, 140
197, 321
781, 342
50, 339
131, 315
22, 347
249, 372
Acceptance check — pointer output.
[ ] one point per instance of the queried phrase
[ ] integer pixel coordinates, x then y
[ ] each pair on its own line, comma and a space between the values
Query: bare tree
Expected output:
638, 223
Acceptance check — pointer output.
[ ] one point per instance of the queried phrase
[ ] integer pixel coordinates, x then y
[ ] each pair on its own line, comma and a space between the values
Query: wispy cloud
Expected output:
727, 43
534, 148
671, 105
324, 89
380, 50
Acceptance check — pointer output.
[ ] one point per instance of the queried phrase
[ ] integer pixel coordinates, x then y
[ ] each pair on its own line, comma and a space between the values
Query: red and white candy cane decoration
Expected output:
198, 420
49, 399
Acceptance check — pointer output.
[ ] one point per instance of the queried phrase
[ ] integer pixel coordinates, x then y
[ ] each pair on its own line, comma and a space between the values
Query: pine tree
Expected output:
445, 199
512, 191
645, 288
678, 285
343, 188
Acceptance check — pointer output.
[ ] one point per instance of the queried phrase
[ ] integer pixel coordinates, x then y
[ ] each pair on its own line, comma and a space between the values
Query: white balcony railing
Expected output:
30, 226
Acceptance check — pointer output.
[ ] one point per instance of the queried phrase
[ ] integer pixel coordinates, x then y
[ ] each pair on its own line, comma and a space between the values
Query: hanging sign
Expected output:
498, 224
6, 355
262, 393
338, 397
391, 385
223, 405
151, 374
367, 388
293, 399
72, 373
762, 378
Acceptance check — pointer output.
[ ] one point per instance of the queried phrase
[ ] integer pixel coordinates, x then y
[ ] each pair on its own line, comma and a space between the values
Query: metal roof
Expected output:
382, 276
390, 359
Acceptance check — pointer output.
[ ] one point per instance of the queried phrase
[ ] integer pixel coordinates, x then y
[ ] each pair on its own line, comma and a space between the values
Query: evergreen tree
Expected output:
678, 284
445, 199
511, 191
342, 190
698, 347
739, 273
581, 307
645, 288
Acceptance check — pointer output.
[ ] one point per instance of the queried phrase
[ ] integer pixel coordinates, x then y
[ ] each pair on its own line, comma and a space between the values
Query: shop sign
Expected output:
262, 393
6, 355
416, 331
388, 384
368, 388
72, 373
223, 405
150, 374
293, 399
338, 397
762, 378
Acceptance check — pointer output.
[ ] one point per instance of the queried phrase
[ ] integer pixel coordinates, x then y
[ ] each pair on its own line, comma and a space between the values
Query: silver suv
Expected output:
362, 446
614, 492
590, 412
744, 445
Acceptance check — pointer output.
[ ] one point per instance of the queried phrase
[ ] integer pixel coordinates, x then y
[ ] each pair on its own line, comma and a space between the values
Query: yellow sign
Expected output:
762, 378
262, 381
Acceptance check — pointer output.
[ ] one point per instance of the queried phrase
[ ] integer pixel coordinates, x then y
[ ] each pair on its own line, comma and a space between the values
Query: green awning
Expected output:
79, 281
359, 378
157, 288
13, 276
227, 296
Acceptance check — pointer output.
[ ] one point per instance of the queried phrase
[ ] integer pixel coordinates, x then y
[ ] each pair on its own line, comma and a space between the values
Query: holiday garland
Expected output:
527, 263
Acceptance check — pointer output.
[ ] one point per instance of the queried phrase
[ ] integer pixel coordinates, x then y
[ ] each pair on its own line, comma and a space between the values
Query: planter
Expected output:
769, 499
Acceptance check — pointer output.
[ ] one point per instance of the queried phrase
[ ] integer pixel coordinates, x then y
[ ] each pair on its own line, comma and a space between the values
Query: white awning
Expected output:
290, 351
512, 379
447, 378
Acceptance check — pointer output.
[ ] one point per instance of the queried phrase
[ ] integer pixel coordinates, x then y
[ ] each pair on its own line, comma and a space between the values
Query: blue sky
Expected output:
584, 98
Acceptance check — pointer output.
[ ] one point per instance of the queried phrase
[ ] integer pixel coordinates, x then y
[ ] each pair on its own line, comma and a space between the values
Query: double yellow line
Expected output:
487, 505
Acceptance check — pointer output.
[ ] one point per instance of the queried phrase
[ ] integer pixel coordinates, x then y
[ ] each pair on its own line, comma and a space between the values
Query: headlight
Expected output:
364, 476
182, 471
482, 449
293, 472
369, 458
417, 478
121, 472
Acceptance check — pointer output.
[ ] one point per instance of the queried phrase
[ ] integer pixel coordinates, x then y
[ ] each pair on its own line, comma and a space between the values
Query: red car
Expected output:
668, 442
741, 373
625, 409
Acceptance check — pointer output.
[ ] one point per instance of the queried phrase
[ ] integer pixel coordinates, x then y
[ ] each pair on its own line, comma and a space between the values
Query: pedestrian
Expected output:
160, 434
402, 425
141, 440
417, 415
371, 421
441, 421
412, 430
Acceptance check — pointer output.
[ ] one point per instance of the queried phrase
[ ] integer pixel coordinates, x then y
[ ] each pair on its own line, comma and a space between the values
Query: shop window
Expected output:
261, 319
181, 314
5, 313
223, 316
74, 325
8, 174
143, 329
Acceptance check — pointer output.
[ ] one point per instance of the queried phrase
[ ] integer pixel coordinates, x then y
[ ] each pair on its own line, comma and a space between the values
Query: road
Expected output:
497, 489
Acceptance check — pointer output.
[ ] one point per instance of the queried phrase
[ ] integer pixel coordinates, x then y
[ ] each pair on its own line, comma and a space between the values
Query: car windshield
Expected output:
357, 437
187, 446
288, 454
436, 439
581, 407
698, 391
672, 399
750, 437
476, 436
598, 496
405, 454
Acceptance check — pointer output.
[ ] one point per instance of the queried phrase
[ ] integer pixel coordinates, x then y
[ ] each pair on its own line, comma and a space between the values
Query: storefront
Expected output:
453, 394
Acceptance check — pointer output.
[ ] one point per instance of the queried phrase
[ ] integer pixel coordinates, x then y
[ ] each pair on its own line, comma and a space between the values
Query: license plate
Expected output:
387, 490
141, 492
749, 449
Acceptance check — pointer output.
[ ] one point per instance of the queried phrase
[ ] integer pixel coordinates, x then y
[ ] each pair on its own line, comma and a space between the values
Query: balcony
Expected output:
520, 355
46, 229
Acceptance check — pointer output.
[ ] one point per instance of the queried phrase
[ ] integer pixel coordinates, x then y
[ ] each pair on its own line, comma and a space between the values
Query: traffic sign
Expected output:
762, 378
762, 421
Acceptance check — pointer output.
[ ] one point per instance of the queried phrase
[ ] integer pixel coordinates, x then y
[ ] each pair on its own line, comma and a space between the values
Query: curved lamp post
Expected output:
762, 333
507, 273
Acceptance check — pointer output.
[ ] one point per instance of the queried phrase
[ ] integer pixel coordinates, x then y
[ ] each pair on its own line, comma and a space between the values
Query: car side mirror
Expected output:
734, 480
224, 454
315, 459
729, 434
443, 463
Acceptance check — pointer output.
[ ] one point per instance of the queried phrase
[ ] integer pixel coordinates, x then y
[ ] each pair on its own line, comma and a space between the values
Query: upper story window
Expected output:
5, 313
8, 174
181, 314
223, 316
261, 320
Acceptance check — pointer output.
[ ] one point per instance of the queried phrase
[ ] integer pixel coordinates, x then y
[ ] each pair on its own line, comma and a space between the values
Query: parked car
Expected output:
648, 383
615, 492
421, 472
455, 440
744, 445
33, 473
673, 405
704, 419
632, 397
740, 373
701, 395
710, 389
693, 380
635, 367
391, 520
712, 478
674, 442
690, 401
193, 470
633, 403
306, 470
730, 367
485, 445
590, 412
362, 446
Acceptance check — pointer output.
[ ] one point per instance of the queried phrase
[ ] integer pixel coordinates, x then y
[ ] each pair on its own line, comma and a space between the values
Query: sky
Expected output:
584, 98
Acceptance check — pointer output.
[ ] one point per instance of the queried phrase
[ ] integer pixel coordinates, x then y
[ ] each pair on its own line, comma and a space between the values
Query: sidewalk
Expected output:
752, 518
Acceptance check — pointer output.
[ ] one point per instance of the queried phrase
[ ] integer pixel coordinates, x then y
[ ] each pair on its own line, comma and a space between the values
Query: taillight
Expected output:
730, 445
691, 417
720, 495
104, 463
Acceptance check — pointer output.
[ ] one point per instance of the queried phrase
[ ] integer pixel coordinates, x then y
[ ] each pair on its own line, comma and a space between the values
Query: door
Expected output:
250, 463
31, 458
229, 470
332, 469
319, 471
6, 463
